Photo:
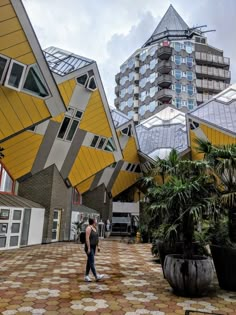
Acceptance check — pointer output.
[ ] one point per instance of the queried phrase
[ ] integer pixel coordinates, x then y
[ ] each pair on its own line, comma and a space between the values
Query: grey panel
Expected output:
17, 201
72, 153
114, 175
96, 180
25, 227
219, 114
45, 146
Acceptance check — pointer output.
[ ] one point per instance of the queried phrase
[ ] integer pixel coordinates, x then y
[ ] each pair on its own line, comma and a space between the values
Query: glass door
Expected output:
10, 227
56, 225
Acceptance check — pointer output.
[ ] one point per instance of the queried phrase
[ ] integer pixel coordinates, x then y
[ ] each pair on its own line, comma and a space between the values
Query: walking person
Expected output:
91, 243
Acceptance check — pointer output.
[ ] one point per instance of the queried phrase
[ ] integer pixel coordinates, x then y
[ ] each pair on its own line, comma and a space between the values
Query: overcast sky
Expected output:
110, 31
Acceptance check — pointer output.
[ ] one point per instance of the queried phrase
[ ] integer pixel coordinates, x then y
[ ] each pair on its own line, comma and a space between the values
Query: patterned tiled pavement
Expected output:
49, 280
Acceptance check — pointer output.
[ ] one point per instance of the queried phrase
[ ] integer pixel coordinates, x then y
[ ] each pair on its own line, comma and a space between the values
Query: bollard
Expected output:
138, 237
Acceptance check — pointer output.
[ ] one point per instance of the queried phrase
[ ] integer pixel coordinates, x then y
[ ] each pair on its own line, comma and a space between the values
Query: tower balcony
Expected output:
210, 86
201, 98
213, 73
117, 102
136, 91
136, 64
164, 80
164, 52
117, 89
213, 60
135, 106
164, 67
136, 77
117, 78
165, 95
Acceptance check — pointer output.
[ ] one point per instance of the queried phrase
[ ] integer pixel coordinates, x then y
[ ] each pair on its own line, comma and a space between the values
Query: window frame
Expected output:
2, 78
85, 81
2, 166
28, 91
6, 83
72, 118
88, 82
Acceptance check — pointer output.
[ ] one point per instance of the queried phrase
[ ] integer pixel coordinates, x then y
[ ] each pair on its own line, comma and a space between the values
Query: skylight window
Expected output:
227, 96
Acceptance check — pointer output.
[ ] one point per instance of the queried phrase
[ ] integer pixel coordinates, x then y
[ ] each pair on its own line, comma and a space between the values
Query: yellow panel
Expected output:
7, 13
88, 162
58, 118
20, 152
214, 136
9, 117
27, 59
12, 39
94, 118
4, 2
9, 26
85, 185
123, 181
18, 106
31, 107
130, 151
66, 89
63, 94
19, 50
41, 106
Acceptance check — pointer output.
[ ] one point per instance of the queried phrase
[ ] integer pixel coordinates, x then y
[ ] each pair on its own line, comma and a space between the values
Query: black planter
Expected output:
225, 261
189, 277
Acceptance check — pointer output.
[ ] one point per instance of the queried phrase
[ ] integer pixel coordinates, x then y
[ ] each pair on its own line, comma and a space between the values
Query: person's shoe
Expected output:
99, 277
87, 279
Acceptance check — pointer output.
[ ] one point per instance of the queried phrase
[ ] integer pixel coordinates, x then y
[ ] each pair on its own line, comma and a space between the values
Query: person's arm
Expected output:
87, 236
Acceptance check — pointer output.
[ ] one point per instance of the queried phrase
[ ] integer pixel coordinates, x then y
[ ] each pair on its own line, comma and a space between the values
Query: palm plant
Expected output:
223, 162
180, 201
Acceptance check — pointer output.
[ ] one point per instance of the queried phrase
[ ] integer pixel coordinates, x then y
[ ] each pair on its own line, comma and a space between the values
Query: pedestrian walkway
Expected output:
49, 279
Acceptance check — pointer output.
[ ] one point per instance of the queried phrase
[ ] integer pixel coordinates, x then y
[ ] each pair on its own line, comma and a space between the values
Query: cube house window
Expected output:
3, 67
16, 74
92, 84
82, 79
94, 141
35, 83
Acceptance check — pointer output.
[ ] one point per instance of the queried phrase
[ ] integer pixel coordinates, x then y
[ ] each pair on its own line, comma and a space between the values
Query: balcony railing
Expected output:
214, 73
201, 98
213, 86
164, 67
164, 52
117, 78
210, 59
117, 89
165, 95
164, 80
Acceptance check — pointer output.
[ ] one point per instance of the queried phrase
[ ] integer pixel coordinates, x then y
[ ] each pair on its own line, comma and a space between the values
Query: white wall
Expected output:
126, 207
36, 226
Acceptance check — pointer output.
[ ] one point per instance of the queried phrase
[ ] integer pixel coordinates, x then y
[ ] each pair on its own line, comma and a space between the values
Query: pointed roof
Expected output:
171, 21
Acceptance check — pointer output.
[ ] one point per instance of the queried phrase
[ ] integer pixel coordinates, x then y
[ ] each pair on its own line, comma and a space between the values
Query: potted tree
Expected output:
180, 202
222, 233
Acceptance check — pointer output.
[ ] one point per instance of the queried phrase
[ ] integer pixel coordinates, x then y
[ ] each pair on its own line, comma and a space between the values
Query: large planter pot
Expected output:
189, 277
225, 261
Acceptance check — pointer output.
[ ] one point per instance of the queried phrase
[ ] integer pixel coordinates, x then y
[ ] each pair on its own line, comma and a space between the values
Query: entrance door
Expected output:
10, 227
56, 224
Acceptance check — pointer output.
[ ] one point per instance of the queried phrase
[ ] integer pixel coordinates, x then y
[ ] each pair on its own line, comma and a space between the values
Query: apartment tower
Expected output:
175, 66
